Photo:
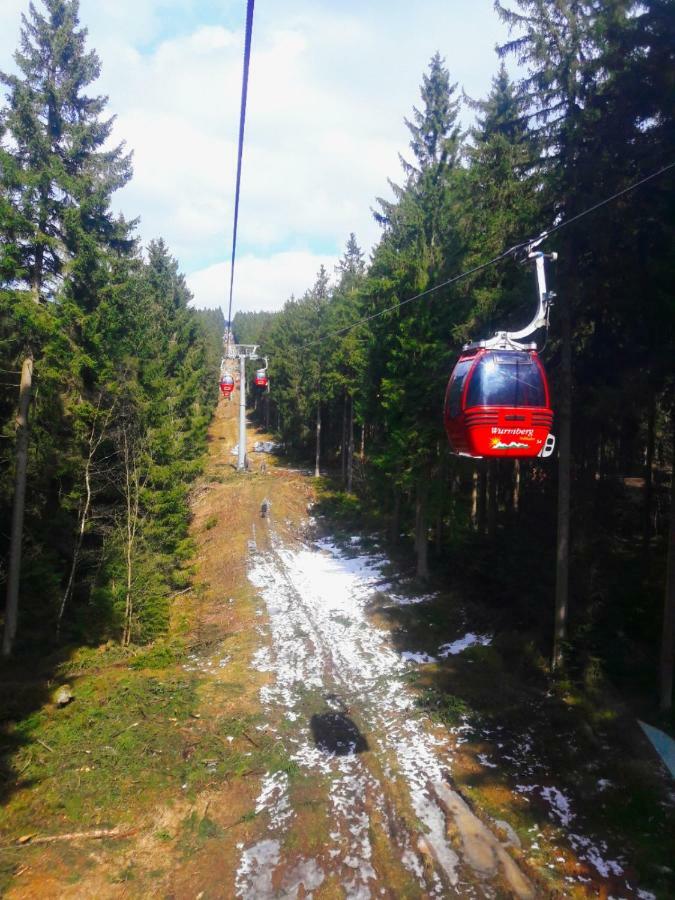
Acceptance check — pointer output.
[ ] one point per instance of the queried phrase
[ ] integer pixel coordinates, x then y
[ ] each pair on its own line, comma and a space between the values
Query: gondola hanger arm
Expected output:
510, 340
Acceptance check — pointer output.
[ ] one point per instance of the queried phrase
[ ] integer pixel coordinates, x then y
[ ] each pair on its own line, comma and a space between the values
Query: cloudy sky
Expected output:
330, 83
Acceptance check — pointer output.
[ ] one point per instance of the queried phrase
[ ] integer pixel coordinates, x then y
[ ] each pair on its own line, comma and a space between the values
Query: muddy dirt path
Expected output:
340, 685
366, 807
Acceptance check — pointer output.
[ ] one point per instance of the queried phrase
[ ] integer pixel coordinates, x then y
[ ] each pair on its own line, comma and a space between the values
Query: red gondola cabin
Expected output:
497, 403
260, 379
226, 385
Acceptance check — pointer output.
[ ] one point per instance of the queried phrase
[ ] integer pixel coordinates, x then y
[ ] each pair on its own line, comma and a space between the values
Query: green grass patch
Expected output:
442, 707
119, 738
161, 655
195, 831
92, 659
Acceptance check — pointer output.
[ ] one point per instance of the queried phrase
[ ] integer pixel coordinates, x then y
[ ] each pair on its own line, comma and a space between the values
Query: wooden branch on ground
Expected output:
97, 835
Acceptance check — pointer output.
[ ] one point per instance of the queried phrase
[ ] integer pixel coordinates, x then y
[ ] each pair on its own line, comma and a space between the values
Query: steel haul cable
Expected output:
242, 123
512, 251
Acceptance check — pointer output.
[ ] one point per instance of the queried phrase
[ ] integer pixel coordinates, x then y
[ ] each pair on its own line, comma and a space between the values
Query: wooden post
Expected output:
14, 575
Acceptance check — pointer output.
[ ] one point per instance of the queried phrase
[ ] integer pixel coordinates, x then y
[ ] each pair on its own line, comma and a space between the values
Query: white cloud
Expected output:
10, 22
259, 282
330, 85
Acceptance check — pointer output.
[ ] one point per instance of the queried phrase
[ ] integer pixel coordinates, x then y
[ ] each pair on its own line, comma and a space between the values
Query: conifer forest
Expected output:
363, 665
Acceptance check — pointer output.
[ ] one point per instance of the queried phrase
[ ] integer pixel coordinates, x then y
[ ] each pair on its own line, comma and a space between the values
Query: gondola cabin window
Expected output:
454, 401
506, 379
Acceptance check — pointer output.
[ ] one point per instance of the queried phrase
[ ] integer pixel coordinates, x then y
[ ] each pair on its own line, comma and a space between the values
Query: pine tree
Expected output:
420, 244
60, 179
435, 134
500, 207
351, 267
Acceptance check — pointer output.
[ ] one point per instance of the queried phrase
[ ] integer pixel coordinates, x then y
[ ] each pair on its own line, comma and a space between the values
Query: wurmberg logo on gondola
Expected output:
528, 432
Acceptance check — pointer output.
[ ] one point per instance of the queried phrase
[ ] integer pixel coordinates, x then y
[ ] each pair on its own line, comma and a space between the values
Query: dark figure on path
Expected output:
265, 507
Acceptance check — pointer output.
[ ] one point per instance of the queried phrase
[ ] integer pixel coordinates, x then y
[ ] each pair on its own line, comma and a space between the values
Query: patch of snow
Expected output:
410, 656
603, 784
484, 761
273, 797
469, 640
254, 875
559, 803
595, 855
317, 602
262, 660
306, 873
407, 599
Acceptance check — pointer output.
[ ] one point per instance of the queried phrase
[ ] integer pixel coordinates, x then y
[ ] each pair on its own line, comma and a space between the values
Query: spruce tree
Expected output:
500, 207
60, 179
420, 244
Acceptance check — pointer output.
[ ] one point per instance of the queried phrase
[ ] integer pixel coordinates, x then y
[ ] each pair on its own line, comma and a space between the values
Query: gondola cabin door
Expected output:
497, 404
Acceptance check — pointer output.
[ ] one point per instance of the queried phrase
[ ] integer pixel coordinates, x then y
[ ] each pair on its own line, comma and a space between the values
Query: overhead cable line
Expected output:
512, 251
242, 122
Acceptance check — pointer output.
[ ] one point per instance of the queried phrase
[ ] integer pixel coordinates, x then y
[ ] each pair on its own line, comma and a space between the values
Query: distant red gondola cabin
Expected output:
497, 403
226, 385
260, 379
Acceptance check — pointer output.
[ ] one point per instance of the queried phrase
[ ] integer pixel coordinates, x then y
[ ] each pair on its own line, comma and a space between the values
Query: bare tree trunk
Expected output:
668, 634
362, 450
350, 447
474, 499
343, 446
438, 533
564, 485
482, 497
84, 515
649, 473
395, 519
516, 485
16, 539
38, 264
421, 528
317, 457
132, 491
492, 477
94, 443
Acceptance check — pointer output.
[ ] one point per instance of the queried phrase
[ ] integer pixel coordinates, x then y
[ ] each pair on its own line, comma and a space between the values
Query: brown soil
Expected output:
186, 842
